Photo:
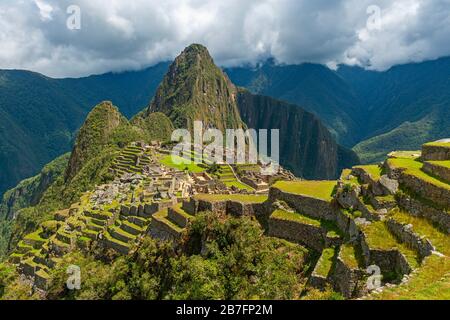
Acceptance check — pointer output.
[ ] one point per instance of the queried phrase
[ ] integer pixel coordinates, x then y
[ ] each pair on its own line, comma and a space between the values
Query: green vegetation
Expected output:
244, 198
349, 256
379, 237
238, 263
181, 164
373, 170
325, 263
414, 167
318, 189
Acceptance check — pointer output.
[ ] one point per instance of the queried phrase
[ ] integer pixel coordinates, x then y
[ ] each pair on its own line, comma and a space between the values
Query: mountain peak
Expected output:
193, 89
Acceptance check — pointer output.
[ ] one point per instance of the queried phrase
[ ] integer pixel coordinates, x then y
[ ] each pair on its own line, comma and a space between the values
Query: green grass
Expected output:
405, 154
325, 262
163, 217
438, 144
379, 237
323, 190
244, 198
431, 282
192, 167
373, 170
348, 255
445, 164
329, 226
345, 174
423, 227
414, 168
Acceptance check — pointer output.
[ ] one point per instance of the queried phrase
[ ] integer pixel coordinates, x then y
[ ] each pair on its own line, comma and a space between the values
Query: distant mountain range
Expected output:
371, 112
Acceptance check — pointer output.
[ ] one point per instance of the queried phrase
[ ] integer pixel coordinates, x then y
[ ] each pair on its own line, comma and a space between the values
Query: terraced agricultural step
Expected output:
417, 181
348, 274
58, 247
178, 216
91, 234
436, 151
162, 228
131, 228
383, 202
117, 245
22, 247
63, 237
322, 271
380, 247
16, 258
97, 215
139, 221
41, 278
34, 239
121, 235
313, 233
440, 169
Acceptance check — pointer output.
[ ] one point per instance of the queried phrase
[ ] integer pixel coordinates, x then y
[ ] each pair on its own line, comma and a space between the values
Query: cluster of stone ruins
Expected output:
149, 198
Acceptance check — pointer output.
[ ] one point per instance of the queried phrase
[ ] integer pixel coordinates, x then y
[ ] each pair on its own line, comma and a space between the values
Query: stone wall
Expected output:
178, 218
436, 170
308, 235
316, 208
419, 209
346, 280
439, 195
390, 260
413, 240
436, 153
160, 230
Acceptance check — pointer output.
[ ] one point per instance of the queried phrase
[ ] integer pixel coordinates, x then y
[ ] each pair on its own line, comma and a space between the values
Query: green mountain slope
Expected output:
39, 115
196, 89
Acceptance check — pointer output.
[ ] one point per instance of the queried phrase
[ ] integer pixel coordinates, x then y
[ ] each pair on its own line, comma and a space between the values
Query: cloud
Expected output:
119, 35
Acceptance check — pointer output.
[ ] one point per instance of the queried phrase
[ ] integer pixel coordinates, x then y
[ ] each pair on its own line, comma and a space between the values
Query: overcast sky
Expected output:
119, 35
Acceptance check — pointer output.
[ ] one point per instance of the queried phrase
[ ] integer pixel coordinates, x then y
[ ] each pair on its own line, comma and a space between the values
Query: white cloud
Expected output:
121, 35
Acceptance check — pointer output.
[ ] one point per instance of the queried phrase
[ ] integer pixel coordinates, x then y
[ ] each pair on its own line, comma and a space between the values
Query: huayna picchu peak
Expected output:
196, 89
122, 210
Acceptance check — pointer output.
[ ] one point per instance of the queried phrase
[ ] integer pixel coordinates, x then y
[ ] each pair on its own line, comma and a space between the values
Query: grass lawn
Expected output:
438, 144
232, 197
318, 189
192, 167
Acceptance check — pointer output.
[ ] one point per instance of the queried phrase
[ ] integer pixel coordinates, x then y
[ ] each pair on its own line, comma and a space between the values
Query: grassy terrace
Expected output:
163, 217
345, 174
379, 237
445, 164
374, 171
325, 262
168, 161
432, 282
414, 167
423, 227
323, 190
438, 144
329, 226
348, 255
405, 154
244, 198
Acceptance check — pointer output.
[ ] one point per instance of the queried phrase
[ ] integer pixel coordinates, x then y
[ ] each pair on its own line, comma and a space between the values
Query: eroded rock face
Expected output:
348, 197
390, 185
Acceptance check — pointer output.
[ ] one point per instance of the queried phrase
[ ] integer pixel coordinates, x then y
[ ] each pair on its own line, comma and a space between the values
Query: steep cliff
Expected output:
306, 146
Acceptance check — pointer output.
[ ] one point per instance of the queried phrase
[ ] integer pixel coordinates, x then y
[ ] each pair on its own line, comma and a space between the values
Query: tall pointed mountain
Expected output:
196, 89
